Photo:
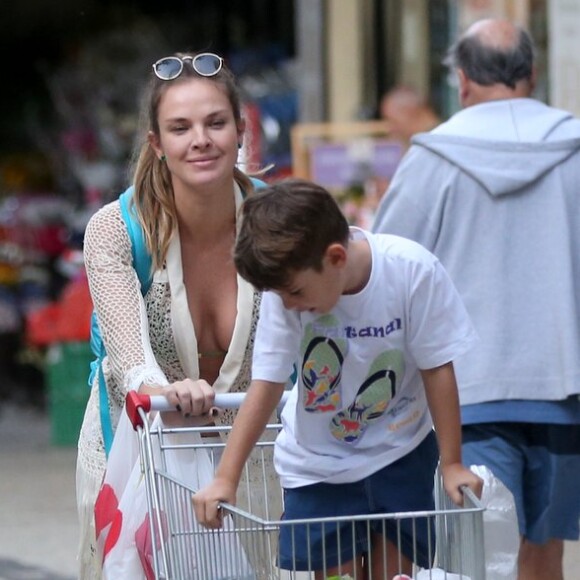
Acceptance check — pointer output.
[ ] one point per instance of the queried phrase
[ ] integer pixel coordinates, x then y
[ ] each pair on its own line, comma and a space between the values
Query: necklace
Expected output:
212, 354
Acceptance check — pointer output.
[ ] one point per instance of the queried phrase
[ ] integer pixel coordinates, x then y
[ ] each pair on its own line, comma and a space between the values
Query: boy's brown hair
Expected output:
286, 227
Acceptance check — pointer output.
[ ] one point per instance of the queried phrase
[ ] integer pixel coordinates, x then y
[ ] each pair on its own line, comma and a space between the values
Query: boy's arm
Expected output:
443, 400
261, 399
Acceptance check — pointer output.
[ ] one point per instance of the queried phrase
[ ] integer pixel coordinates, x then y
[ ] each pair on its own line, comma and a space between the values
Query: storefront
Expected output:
364, 48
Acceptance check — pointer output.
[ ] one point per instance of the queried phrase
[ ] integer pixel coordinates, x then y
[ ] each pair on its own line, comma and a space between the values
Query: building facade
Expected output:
351, 52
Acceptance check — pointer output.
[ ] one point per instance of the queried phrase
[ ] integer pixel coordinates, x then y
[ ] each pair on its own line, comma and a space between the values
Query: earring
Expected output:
162, 158
239, 145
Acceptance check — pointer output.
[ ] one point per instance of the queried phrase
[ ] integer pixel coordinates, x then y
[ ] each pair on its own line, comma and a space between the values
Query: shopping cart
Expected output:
246, 546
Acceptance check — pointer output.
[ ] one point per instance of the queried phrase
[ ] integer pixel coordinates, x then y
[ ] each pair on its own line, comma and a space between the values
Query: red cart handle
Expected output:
133, 402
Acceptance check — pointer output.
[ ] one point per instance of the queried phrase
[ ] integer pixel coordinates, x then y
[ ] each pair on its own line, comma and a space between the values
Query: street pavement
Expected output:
38, 524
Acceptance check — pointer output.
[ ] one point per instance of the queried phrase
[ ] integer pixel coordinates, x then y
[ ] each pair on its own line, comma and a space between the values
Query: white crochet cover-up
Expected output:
149, 340
138, 333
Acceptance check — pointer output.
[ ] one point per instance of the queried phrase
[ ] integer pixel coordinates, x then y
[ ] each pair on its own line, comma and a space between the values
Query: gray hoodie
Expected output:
494, 193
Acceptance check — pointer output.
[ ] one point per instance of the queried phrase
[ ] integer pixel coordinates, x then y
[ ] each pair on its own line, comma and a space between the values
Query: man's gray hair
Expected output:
489, 65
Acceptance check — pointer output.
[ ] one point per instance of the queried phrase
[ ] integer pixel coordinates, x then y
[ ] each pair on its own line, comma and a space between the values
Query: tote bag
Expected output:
122, 516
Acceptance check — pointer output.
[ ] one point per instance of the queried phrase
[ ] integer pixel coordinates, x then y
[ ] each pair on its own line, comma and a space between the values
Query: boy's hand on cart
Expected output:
206, 502
456, 476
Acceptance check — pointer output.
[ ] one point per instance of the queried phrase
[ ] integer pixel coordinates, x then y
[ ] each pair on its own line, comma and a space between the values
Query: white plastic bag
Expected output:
122, 519
438, 574
500, 527
433, 574
111, 510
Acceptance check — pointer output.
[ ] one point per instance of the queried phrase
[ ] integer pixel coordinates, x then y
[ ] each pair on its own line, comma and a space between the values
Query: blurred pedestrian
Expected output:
407, 113
192, 334
493, 192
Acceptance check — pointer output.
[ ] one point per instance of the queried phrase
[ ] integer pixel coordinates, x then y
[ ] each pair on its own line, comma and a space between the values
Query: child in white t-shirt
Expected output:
372, 323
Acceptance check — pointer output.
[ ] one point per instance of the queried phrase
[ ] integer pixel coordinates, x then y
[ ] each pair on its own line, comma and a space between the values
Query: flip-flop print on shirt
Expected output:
322, 370
372, 399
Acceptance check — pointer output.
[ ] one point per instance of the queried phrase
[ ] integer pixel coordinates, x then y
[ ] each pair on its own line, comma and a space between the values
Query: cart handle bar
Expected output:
134, 402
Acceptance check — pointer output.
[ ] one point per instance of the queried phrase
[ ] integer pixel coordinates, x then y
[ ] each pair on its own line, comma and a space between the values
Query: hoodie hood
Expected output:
505, 145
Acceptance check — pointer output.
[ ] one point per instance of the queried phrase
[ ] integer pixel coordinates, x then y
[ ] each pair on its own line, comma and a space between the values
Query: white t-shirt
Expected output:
359, 403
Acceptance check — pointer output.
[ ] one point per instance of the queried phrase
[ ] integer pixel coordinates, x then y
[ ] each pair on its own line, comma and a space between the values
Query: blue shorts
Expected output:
403, 486
540, 464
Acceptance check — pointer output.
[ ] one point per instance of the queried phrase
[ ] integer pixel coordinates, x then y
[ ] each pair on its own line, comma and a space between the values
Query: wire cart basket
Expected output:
246, 548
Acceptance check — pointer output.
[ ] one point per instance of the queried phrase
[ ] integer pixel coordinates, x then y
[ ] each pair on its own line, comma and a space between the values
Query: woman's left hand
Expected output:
193, 401
191, 398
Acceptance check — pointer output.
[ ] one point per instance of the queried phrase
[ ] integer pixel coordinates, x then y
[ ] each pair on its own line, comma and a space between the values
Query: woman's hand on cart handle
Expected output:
192, 399
146, 403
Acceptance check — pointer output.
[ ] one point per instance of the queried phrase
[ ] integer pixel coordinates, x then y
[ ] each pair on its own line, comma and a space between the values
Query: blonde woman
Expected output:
192, 333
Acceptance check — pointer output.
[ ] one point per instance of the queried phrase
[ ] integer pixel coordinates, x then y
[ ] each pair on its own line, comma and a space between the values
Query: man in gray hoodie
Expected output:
494, 192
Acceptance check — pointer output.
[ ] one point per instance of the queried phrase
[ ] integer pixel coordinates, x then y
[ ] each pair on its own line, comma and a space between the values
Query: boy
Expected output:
373, 323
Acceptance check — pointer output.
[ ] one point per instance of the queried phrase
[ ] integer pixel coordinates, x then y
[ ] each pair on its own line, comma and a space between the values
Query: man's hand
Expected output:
206, 502
455, 476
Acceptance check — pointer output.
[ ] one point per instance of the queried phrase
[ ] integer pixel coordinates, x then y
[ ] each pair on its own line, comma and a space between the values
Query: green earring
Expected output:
162, 158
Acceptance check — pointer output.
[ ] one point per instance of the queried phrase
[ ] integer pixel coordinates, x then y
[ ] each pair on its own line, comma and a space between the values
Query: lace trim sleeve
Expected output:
116, 293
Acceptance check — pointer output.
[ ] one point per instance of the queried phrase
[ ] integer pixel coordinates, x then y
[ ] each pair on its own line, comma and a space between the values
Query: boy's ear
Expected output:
336, 255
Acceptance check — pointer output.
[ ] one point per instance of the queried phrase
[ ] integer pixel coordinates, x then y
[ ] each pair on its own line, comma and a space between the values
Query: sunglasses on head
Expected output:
205, 64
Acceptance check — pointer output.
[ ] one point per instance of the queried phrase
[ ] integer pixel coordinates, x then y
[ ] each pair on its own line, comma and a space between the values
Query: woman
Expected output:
192, 333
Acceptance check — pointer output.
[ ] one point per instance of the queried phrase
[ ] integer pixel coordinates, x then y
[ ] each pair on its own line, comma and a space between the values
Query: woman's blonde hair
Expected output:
153, 198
